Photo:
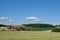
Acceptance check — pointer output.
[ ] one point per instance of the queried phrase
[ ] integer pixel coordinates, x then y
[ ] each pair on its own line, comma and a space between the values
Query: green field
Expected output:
28, 35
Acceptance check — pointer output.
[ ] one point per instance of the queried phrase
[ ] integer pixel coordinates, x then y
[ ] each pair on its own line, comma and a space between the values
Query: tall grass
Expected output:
28, 35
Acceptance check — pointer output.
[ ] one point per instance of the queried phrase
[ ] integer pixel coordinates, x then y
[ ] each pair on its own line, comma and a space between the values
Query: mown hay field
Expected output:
29, 35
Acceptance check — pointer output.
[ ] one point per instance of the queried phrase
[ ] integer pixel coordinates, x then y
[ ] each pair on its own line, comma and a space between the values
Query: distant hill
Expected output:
2, 25
39, 25
28, 27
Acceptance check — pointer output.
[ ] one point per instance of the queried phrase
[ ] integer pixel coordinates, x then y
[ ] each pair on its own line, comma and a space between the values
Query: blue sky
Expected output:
19, 10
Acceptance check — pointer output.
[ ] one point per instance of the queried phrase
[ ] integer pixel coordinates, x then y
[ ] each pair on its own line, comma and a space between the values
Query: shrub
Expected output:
56, 30
18, 29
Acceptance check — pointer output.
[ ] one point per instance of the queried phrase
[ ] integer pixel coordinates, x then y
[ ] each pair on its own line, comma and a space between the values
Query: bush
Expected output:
18, 29
21, 28
56, 30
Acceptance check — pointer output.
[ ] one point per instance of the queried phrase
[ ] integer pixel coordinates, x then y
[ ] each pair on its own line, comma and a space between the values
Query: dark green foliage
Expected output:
40, 25
22, 28
17, 29
1, 25
56, 30
32, 27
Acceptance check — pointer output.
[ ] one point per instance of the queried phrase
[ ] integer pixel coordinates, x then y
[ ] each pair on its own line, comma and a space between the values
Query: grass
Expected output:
28, 35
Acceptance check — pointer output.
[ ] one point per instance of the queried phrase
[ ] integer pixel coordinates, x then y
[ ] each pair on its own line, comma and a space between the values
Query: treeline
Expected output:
33, 27
2, 25
40, 25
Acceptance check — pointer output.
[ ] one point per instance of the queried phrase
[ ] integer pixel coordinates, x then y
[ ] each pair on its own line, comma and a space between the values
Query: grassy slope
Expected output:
28, 35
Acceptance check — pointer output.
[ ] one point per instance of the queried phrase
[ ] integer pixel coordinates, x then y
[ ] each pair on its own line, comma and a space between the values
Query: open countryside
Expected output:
29, 19
29, 35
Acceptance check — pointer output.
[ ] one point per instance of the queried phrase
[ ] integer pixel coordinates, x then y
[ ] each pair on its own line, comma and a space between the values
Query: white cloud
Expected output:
3, 18
32, 18
11, 20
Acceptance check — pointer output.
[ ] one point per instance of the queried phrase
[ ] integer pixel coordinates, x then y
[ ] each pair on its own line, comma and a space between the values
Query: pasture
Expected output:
29, 35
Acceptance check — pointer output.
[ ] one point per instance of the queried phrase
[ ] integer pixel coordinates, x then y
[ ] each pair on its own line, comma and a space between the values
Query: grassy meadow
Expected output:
29, 35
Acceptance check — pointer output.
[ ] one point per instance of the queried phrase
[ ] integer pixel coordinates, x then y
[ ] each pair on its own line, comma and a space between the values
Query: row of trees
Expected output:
1, 25
34, 27
40, 25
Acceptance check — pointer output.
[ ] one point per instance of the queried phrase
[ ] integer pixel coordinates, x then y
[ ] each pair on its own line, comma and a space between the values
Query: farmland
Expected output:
29, 35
